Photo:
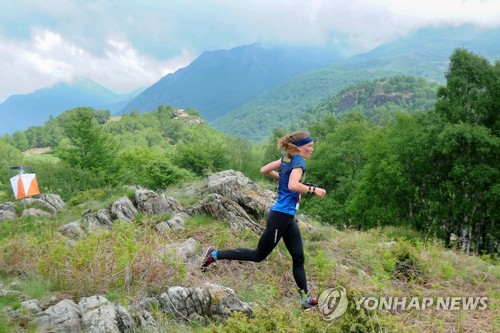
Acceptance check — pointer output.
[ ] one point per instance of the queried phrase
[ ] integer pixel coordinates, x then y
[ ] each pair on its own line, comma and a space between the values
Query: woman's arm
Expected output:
269, 169
295, 185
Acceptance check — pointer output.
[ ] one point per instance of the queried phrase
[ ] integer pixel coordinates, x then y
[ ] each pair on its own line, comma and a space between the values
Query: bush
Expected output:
161, 173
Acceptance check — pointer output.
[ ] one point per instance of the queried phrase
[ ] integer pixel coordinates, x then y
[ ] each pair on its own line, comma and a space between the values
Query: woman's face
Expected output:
306, 150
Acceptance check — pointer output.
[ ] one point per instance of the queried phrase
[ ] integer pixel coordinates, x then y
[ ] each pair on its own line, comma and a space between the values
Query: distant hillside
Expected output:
279, 107
397, 93
19, 112
220, 81
424, 53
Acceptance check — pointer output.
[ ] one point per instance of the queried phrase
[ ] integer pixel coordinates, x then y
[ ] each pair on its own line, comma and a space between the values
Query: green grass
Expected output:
124, 263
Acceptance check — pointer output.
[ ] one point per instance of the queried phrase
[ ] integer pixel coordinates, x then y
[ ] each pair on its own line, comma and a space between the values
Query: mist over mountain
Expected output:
220, 81
18, 112
424, 53
250, 90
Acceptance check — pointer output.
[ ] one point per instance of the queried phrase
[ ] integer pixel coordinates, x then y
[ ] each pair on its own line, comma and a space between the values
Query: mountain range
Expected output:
250, 90
19, 112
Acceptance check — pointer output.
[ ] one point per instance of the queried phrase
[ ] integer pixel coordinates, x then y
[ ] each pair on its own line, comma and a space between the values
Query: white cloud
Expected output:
126, 44
48, 58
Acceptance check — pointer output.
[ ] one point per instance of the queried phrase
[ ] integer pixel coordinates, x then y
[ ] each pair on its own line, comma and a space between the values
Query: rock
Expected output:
208, 300
7, 211
48, 208
63, 317
97, 314
224, 301
236, 186
31, 306
5, 292
145, 321
180, 251
123, 209
73, 230
54, 200
174, 223
35, 212
100, 315
101, 218
151, 203
227, 210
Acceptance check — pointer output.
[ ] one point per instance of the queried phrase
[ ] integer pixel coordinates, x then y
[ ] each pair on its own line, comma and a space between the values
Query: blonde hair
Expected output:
286, 142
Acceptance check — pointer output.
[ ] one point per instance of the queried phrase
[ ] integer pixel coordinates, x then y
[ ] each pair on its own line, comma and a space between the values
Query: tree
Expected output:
21, 140
468, 150
335, 166
468, 184
471, 92
89, 147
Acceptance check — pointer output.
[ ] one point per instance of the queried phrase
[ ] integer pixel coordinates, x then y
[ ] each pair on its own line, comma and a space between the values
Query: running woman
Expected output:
289, 170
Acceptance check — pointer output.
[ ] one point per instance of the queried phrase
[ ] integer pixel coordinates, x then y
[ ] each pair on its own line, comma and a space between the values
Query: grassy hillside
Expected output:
123, 265
424, 54
279, 107
376, 99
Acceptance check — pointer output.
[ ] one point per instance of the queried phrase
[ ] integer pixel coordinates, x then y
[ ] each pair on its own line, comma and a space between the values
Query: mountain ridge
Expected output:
428, 59
18, 112
219, 81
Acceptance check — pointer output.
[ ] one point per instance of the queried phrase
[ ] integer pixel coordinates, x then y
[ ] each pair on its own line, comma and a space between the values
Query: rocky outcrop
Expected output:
101, 218
151, 203
224, 209
176, 222
208, 300
182, 252
35, 212
226, 196
73, 230
100, 315
235, 186
7, 211
63, 317
97, 314
123, 209
39, 206
50, 203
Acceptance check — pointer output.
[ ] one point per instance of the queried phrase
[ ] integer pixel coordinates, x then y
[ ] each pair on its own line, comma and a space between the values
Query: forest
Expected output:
432, 168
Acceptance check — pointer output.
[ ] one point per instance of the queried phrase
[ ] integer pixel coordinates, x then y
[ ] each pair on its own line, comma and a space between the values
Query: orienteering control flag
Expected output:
24, 185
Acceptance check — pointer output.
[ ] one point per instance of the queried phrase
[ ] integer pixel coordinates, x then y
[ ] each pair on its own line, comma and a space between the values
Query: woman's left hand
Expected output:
320, 192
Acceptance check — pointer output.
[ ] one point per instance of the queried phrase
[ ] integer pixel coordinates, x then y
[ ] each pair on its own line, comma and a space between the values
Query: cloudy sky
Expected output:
127, 44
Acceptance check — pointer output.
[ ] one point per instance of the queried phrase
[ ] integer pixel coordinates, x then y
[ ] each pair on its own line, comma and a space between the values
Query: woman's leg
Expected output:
276, 226
293, 242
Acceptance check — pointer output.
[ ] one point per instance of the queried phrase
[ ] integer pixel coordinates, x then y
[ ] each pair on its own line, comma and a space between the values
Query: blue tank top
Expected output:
288, 200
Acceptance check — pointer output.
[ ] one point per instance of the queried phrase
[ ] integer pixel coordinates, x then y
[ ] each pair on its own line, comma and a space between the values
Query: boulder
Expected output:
7, 211
35, 212
180, 251
54, 200
176, 222
73, 230
123, 209
207, 300
152, 203
236, 186
101, 218
64, 317
100, 315
50, 203
224, 209
145, 321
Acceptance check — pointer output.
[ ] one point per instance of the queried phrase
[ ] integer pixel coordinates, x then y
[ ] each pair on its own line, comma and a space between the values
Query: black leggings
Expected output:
278, 225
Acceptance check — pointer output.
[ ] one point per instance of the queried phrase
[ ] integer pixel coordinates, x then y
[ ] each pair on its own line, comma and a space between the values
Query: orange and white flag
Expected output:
24, 185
